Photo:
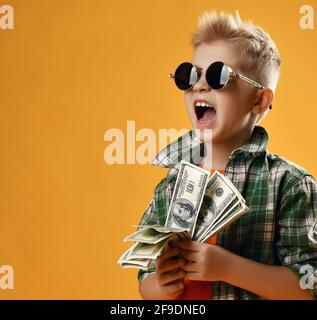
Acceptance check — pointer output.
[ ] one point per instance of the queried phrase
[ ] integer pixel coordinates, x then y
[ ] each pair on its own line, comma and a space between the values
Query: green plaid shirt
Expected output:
281, 196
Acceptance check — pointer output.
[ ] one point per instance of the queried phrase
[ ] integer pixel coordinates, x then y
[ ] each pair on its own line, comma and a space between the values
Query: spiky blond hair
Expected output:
261, 59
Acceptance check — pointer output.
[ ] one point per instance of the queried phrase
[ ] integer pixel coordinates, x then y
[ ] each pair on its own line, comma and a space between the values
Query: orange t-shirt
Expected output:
199, 290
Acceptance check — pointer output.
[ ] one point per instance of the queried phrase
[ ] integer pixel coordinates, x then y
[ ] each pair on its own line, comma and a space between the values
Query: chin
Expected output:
204, 134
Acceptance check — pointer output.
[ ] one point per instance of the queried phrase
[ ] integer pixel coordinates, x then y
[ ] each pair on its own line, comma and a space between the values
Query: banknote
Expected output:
229, 182
218, 197
153, 234
236, 213
140, 262
143, 255
187, 197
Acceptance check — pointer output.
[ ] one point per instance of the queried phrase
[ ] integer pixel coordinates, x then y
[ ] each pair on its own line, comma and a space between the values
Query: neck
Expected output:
217, 153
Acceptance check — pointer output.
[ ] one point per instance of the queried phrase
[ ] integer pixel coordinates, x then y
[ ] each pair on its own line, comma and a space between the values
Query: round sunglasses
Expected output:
218, 75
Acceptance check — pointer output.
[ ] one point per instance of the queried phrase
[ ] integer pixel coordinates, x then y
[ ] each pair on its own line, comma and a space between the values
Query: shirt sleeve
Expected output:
297, 214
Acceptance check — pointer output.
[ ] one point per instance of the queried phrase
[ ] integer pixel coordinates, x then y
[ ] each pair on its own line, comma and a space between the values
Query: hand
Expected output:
203, 261
169, 272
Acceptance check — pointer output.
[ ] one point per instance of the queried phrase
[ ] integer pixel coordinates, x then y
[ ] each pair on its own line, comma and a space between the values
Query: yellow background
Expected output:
70, 70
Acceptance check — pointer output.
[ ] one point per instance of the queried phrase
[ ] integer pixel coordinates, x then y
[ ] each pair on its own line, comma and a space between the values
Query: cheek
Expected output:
228, 106
244, 95
233, 106
231, 115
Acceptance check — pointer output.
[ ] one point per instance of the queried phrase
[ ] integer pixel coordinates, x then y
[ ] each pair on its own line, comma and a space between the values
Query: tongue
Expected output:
208, 116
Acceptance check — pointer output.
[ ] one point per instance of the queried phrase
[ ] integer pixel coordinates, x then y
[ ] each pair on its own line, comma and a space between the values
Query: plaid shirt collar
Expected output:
188, 147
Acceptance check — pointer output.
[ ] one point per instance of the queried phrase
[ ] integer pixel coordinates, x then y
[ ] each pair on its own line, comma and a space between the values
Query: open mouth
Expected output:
205, 114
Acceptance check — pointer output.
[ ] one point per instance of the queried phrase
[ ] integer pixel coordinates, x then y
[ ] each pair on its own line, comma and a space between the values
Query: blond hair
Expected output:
261, 59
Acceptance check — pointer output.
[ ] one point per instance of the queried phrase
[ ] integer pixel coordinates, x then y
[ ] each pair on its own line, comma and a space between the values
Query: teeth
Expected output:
202, 104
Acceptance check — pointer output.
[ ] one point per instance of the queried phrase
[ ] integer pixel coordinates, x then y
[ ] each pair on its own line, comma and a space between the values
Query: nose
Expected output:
201, 84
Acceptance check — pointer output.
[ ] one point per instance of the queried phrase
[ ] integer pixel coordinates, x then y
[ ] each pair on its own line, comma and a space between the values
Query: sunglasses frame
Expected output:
232, 75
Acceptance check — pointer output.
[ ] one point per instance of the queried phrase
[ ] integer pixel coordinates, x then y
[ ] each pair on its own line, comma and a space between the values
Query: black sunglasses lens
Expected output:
217, 75
185, 76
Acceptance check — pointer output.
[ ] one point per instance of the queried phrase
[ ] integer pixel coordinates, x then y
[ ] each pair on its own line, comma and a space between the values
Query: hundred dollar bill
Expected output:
223, 220
141, 255
126, 265
236, 213
145, 251
206, 218
125, 262
218, 197
139, 262
236, 203
153, 234
187, 197
129, 265
233, 188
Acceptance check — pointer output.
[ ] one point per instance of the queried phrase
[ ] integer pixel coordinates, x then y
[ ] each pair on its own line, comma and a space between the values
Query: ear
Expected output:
262, 101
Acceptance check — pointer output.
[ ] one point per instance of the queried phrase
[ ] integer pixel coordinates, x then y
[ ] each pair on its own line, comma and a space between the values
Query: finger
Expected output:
169, 277
174, 288
189, 255
170, 253
190, 267
193, 276
189, 245
170, 265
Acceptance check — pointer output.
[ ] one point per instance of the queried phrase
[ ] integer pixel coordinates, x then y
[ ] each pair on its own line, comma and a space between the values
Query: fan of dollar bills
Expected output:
201, 206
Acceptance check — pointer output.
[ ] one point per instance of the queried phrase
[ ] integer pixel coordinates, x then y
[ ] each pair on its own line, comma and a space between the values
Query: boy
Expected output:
228, 88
